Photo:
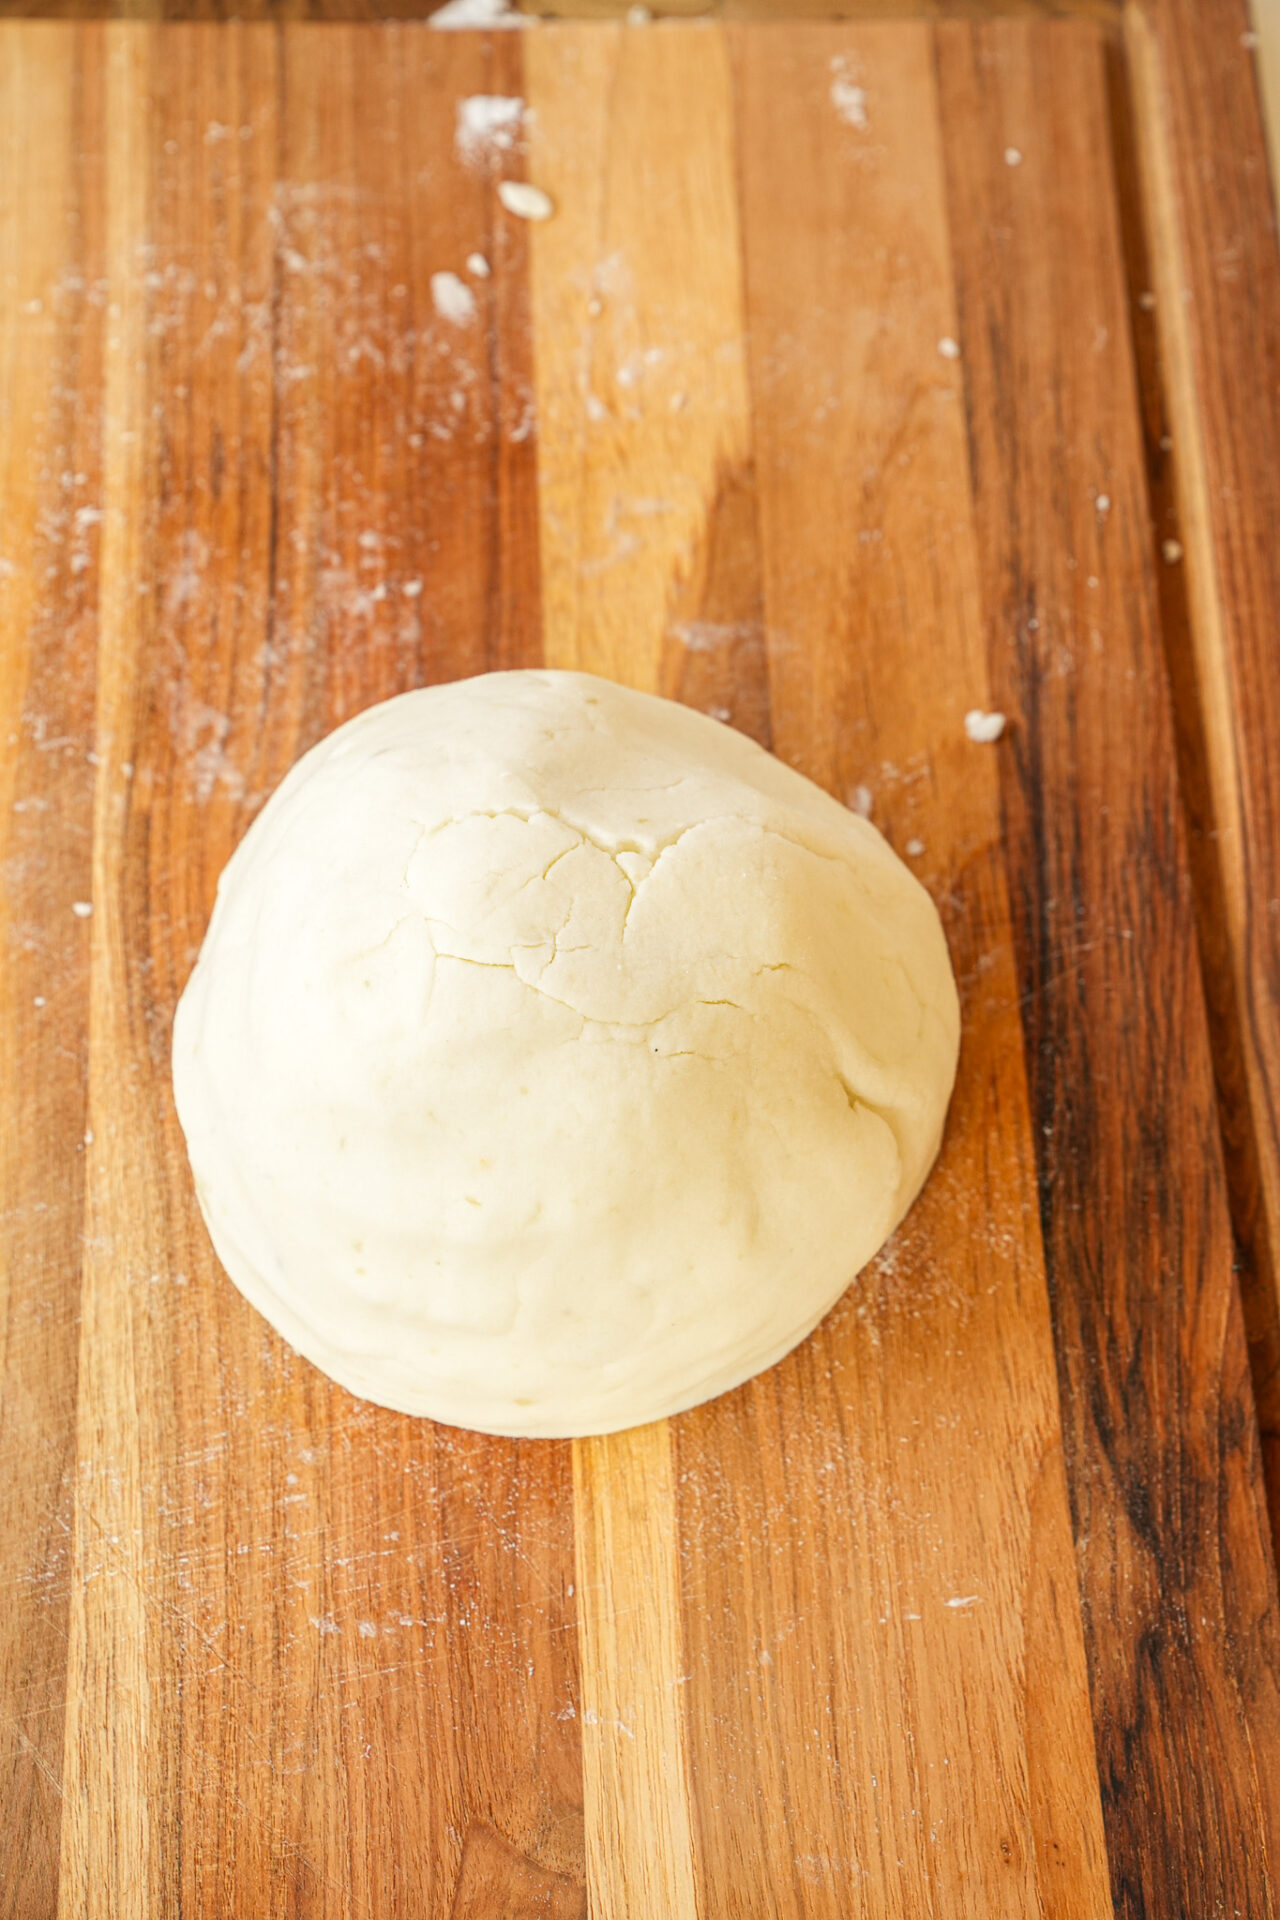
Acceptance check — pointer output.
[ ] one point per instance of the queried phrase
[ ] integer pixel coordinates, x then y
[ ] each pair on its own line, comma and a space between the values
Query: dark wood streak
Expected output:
1162, 1448
1226, 687
1196, 748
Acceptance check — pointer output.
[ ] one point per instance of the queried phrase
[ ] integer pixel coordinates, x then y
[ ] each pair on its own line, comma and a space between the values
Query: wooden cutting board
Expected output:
814, 406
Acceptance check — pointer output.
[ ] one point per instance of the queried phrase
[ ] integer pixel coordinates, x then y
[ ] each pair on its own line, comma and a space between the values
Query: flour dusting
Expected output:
488, 123
708, 636
848, 99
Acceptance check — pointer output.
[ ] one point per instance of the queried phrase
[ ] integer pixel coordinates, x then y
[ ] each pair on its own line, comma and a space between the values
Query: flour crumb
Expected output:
984, 729
1147, 301
525, 200
949, 348
848, 99
39, 1001
452, 299
1172, 552
1012, 157
1248, 39
709, 636
82, 908
964, 1600
914, 849
860, 801
478, 265
638, 16
488, 123
1103, 503
457, 15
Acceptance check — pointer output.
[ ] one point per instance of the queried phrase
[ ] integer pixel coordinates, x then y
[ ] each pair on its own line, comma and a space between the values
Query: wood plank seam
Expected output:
1193, 631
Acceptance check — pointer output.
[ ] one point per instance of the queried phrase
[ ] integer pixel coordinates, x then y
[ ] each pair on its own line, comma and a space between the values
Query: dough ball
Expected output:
556, 1056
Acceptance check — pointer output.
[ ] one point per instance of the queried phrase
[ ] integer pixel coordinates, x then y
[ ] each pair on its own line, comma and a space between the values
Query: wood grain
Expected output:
641, 396
374, 11
814, 10
899, 1501
803, 1737
1159, 1427
639, 320
1209, 205
1263, 39
818, 1649
301, 1631
51, 315
635, 1763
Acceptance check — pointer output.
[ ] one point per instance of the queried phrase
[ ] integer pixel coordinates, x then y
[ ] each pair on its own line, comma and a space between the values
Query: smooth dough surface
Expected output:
556, 1056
